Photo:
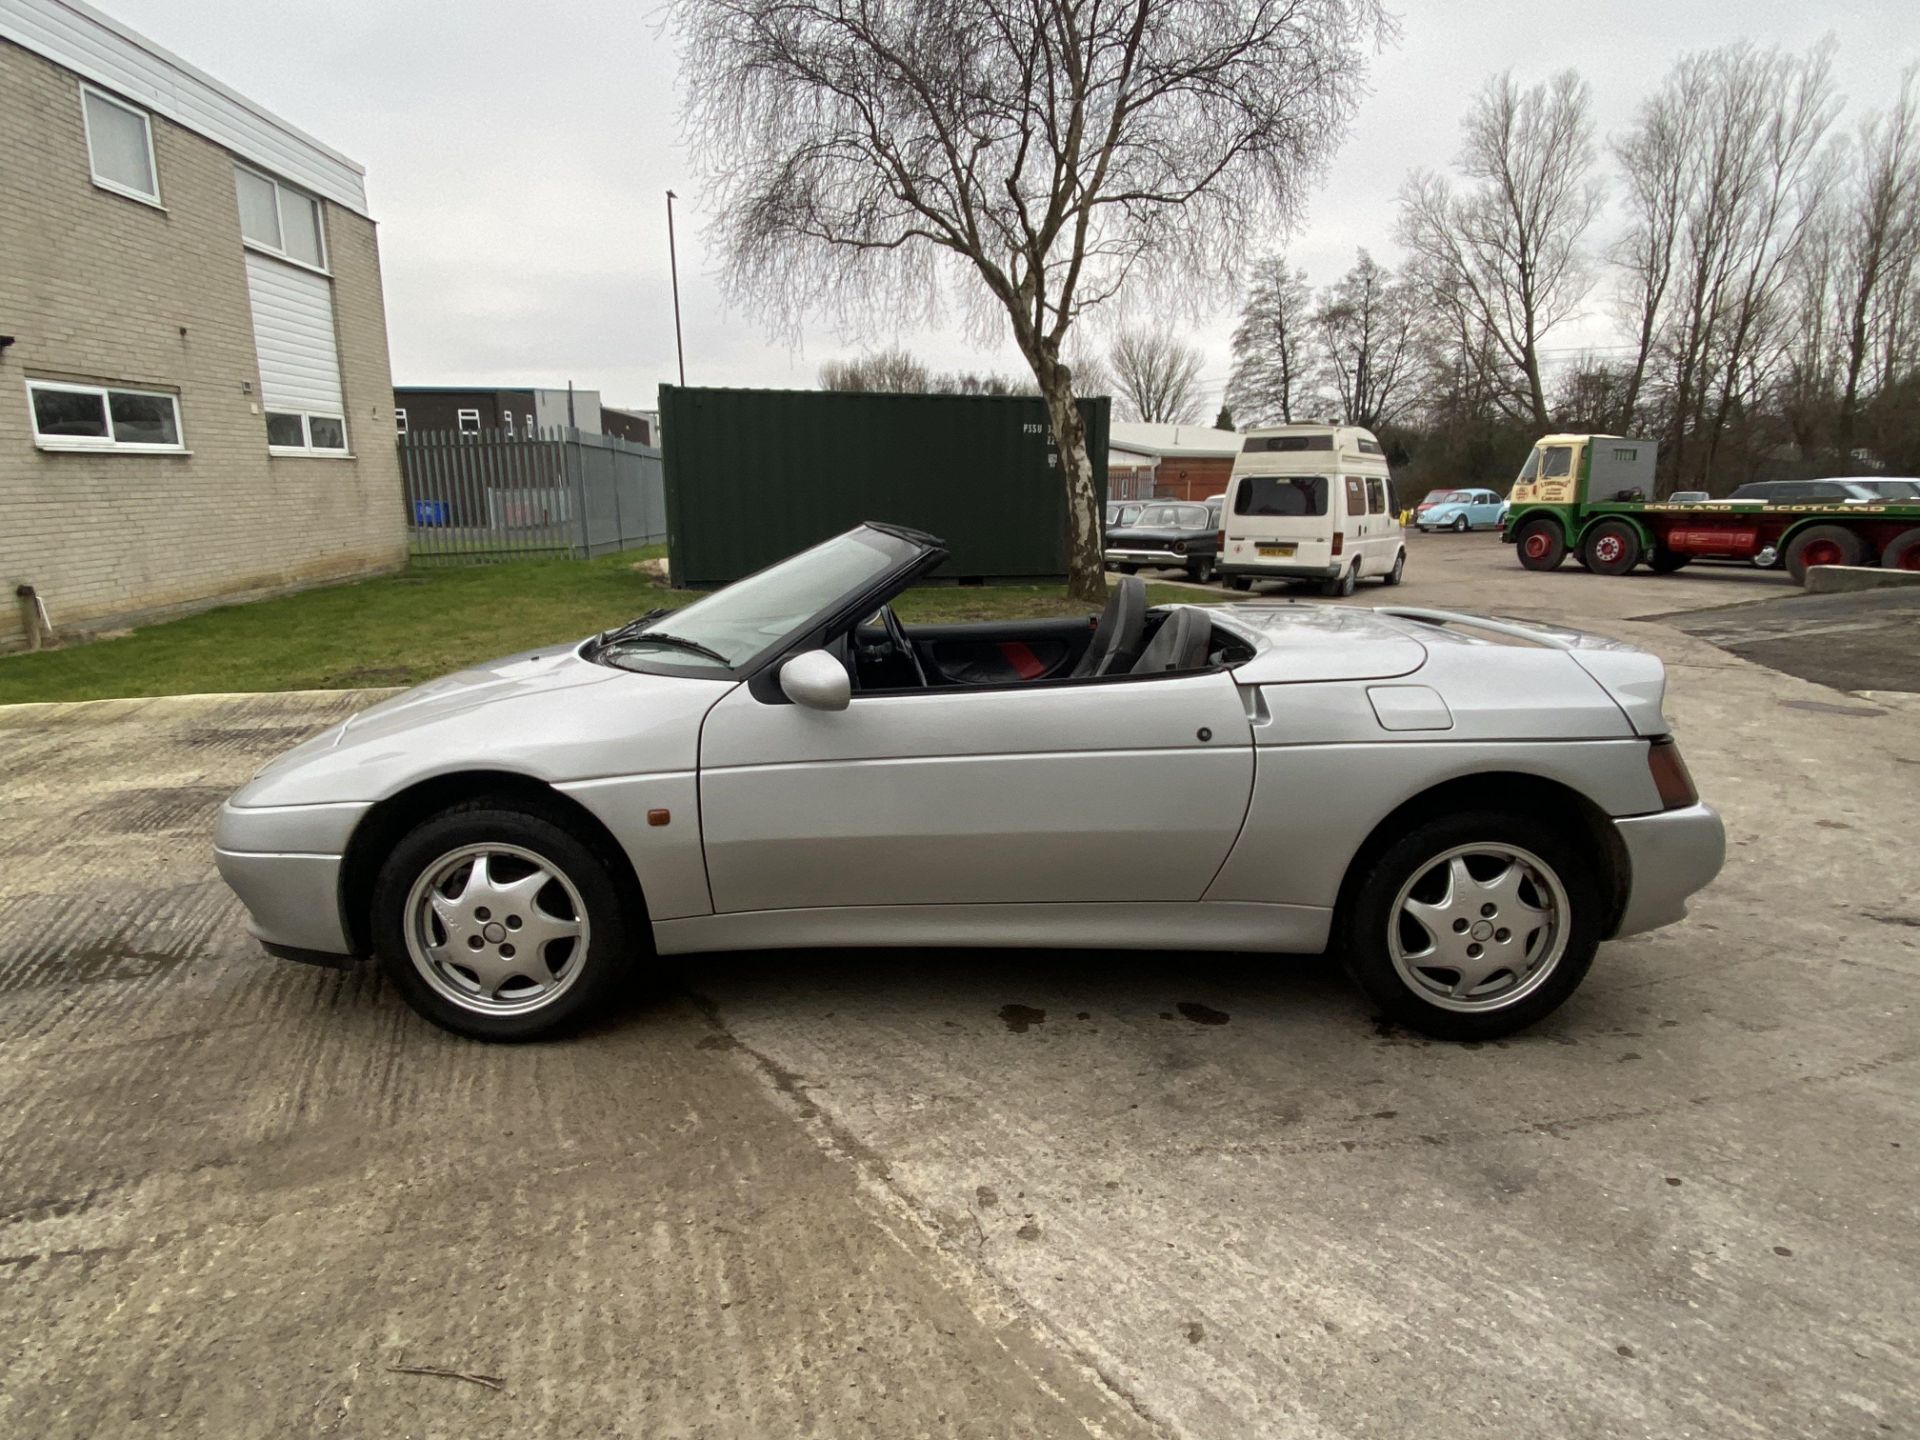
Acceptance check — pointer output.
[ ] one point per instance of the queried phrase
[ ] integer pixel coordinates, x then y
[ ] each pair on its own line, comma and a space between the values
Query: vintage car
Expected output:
1174, 534
1122, 512
1463, 808
1461, 510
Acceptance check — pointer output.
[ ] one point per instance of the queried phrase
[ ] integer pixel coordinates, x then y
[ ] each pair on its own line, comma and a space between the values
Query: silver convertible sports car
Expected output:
1462, 808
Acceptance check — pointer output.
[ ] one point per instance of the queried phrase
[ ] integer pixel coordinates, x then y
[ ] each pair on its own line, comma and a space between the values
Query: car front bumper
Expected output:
1670, 856
1164, 558
284, 864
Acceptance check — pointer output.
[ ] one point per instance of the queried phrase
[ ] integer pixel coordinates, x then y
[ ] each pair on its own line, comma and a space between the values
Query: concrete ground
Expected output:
973, 1193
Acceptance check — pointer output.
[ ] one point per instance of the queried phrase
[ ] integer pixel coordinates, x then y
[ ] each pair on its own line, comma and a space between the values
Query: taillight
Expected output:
1339, 541
1220, 541
1670, 775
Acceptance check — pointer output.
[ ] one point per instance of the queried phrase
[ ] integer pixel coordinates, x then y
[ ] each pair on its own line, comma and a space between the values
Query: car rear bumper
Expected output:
1670, 856
1278, 570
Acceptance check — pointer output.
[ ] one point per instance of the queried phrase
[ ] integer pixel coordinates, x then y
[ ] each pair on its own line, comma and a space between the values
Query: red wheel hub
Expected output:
1607, 549
1910, 560
1821, 552
1536, 545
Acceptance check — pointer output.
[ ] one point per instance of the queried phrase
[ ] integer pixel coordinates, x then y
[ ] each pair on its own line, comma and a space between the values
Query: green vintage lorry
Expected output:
1586, 496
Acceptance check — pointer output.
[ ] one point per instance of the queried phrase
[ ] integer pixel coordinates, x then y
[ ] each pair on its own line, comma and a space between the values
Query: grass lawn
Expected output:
409, 628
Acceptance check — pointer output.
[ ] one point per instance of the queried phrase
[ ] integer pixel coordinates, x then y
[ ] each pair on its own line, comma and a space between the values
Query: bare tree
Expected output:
1881, 238
862, 159
1367, 326
882, 371
1157, 376
1656, 158
1273, 345
1506, 248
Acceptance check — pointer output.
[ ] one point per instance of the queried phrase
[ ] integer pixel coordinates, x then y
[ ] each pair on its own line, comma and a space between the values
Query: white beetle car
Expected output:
1464, 808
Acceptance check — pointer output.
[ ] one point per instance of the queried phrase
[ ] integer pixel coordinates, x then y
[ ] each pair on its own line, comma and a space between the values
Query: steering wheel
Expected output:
897, 633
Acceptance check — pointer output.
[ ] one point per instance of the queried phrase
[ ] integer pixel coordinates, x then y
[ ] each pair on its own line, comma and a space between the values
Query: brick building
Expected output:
195, 399
1171, 462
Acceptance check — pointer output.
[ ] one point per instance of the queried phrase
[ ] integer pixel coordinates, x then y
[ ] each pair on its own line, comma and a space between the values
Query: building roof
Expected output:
1192, 441
95, 46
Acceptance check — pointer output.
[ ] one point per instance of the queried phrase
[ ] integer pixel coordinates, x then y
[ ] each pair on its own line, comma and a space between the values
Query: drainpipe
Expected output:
33, 616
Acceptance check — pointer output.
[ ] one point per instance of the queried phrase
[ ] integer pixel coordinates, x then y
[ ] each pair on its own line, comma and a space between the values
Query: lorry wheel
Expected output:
1903, 552
1823, 545
1541, 545
1611, 548
1665, 561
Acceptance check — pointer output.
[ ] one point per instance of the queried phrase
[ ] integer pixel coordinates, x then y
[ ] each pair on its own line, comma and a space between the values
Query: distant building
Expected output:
1175, 462
517, 410
194, 392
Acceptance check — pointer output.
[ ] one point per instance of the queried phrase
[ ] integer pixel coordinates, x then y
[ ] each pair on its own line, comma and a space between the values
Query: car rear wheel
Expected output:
1823, 545
1474, 925
1343, 583
1540, 545
500, 923
1902, 552
1241, 582
1126, 569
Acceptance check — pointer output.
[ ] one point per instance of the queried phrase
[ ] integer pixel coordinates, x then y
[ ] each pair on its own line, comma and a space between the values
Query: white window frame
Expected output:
153, 160
399, 419
460, 422
104, 444
309, 451
319, 219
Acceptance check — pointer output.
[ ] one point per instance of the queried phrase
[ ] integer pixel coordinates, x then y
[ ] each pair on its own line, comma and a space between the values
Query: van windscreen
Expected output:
1281, 495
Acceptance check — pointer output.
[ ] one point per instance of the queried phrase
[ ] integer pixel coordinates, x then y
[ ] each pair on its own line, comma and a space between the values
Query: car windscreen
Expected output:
1173, 517
737, 623
1281, 495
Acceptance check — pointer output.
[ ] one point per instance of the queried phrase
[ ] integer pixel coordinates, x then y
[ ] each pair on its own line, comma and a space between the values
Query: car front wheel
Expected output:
1460, 525
500, 923
1200, 571
1474, 925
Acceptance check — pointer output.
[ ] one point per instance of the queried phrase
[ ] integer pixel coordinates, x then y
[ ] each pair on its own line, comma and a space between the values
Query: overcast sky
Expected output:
517, 159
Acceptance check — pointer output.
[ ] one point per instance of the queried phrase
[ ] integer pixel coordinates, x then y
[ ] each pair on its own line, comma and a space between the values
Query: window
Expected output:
1356, 495
399, 421
1625, 454
469, 422
1175, 517
1286, 443
302, 432
279, 219
1557, 460
507, 416
1377, 497
1370, 447
96, 417
120, 146
1281, 495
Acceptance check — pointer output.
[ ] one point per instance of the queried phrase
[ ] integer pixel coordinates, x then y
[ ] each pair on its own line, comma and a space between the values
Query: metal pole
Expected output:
673, 261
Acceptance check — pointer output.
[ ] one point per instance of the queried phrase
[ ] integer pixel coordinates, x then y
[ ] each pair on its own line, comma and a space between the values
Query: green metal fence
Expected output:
754, 475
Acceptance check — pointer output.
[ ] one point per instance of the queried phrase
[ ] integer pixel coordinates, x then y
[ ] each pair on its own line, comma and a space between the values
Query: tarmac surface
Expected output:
989, 1193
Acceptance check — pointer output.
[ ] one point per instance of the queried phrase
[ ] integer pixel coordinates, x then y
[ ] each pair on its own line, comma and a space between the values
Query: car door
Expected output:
1113, 790
1485, 510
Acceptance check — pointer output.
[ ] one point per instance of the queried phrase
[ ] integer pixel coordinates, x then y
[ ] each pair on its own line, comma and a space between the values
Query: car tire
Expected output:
1902, 552
1460, 526
1240, 582
1200, 571
581, 913
1823, 545
1399, 570
1664, 561
1611, 548
1400, 958
1541, 545
1344, 583
1126, 569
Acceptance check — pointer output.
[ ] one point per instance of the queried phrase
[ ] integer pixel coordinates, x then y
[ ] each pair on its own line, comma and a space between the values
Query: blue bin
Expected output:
429, 512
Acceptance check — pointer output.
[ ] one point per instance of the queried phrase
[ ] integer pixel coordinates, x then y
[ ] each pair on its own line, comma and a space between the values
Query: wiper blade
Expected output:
628, 628
677, 642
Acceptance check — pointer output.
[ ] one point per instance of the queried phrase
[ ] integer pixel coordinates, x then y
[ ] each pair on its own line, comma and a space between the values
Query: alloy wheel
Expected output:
496, 929
1479, 927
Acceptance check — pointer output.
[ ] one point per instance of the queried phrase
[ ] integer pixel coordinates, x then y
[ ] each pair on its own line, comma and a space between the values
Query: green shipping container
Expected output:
754, 475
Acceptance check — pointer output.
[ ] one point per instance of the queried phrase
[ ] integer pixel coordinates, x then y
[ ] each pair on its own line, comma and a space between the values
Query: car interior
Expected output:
1126, 640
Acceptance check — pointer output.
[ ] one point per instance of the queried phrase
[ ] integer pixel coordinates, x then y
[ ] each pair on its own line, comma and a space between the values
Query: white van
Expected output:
1311, 502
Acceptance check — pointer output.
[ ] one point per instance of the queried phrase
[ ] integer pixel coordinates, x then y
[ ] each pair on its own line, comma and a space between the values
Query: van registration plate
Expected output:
1275, 552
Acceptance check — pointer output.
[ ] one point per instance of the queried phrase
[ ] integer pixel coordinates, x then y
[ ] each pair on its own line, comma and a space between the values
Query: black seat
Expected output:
1116, 639
1179, 644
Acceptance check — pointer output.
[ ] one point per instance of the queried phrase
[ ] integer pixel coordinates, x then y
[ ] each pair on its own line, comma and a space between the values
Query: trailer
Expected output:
1586, 496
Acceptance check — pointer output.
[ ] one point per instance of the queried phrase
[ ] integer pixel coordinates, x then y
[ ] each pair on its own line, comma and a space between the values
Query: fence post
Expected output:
576, 463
